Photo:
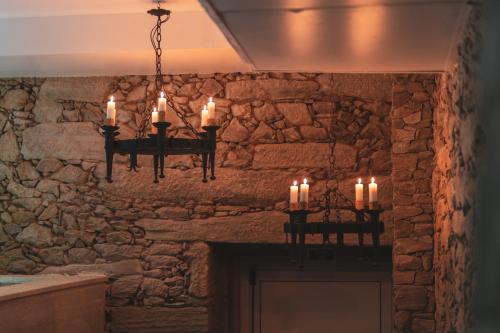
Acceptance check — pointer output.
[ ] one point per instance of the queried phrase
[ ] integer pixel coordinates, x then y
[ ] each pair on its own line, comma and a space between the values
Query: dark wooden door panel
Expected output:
316, 299
319, 306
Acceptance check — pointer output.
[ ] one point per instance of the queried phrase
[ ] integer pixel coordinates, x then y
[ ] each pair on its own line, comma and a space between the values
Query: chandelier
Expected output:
366, 221
151, 138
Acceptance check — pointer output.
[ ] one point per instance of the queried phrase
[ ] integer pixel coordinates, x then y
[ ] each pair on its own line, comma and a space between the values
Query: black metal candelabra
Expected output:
367, 222
161, 146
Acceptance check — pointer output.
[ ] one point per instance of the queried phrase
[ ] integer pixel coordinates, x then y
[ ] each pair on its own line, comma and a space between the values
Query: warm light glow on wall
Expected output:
366, 27
300, 28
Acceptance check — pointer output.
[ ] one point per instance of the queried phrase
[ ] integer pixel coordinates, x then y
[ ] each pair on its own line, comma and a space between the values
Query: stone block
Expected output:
169, 249
263, 134
114, 269
272, 89
64, 141
407, 263
154, 287
126, 286
367, 86
70, 174
413, 245
260, 227
235, 132
313, 133
296, 114
262, 187
9, 149
211, 87
399, 278
198, 255
174, 213
81, 256
302, 155
404, 162
14, 99
410, 298
158, 319
52, 256
87, 89
49, 165
423, 325
118, 252
266, 113
36, 235
158, 261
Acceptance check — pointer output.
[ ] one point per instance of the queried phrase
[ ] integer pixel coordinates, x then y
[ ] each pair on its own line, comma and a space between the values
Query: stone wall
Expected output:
456, 138
59, 215
412, 165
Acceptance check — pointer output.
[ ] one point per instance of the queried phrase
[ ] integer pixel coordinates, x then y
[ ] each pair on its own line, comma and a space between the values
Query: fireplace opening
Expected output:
256, 288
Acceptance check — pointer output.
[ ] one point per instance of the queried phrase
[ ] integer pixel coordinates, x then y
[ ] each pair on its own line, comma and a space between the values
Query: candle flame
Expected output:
373, 180
154, 109
161, 94
210, 99
359, 180
204, 107
294, 183
305, 180
111, 98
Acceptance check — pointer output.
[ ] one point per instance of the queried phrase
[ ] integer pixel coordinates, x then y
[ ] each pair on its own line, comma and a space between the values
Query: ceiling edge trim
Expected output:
219, 22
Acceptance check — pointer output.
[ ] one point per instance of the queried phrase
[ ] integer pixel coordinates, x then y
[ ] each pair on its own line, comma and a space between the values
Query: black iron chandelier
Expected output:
366, 221
156, 143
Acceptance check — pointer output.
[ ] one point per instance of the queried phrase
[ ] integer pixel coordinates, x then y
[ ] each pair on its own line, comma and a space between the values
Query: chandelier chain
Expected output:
156, 39
332, 192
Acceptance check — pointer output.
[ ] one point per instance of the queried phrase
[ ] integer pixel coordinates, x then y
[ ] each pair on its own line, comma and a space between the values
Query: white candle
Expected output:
154, 119
111, 112
211, 112
294, 196
359, 195
372, 193
304, 195
162, 107
204, 116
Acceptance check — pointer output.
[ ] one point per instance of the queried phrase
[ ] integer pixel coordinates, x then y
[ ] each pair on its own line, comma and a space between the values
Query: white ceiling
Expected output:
108, 37
341, 35
111, 37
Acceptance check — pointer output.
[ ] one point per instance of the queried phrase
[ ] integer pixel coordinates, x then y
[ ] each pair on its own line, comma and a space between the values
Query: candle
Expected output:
294, 196
372, 194
204, 116
111, 112
359, 204
154, 119
304, 195
162, 107
211, 112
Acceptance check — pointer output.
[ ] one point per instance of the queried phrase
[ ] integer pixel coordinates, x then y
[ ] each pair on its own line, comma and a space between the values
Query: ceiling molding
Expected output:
232, 40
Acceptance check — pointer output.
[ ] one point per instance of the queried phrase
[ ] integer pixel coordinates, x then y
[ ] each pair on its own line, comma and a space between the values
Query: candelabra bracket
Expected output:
367, 221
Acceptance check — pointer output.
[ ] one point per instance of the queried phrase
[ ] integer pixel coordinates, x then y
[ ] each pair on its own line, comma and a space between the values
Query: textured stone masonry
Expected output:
412, 166
58, 215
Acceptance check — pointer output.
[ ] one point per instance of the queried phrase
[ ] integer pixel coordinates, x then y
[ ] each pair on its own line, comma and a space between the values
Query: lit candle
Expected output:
372, 194
204, 116
359, 195
154, 119
304, 195
211, 112
111, 112
294, 196
162, 107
